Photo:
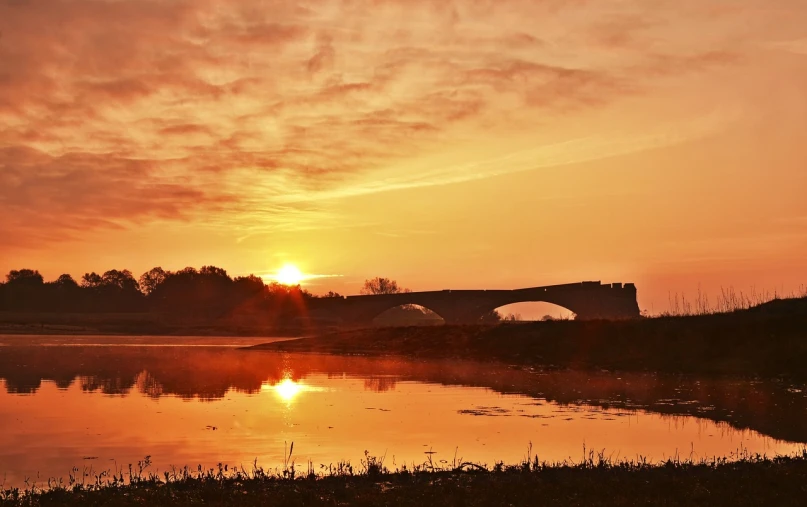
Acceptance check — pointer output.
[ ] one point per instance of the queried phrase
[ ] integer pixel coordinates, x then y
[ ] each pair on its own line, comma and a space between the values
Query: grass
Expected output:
597, 479
729, 300
769, 340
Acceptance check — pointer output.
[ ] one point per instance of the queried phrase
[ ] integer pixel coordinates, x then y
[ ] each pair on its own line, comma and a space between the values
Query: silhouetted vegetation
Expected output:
595, 480
205, 294
728, 300
380, 285
767, 340
188, 301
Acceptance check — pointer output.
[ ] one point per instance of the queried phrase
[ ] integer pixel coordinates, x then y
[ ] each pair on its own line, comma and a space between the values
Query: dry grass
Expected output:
727, 301
596, 479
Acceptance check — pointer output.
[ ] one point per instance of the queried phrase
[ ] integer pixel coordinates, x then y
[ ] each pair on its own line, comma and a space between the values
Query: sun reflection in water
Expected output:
287, 389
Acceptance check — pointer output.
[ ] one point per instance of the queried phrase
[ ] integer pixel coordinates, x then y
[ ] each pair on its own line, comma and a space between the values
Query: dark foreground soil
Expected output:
769, 341
750, 482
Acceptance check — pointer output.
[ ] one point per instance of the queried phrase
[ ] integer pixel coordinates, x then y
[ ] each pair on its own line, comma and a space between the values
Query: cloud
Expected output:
568, 152
47, 198
323, 59
140, 110
186, 129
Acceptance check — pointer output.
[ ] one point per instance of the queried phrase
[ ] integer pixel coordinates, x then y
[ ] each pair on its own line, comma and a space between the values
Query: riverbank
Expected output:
750, 481
768, 341
137, 324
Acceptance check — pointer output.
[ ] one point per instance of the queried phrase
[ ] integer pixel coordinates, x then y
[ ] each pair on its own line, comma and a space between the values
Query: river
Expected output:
101, 403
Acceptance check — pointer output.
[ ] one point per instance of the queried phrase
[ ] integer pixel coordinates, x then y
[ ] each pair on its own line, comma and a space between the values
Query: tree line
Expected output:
206, 290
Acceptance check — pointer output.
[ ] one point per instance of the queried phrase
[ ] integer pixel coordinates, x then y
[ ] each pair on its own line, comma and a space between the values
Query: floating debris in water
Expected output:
489, 411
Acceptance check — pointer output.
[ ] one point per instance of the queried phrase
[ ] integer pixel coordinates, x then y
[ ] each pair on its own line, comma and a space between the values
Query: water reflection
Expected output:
205, 405
773, 408
287, 389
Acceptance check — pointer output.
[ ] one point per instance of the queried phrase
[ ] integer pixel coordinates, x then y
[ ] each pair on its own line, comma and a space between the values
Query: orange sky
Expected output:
447, 144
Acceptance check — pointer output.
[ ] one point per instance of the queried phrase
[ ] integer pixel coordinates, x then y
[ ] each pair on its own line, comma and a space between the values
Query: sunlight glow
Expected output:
289, 275
288, 389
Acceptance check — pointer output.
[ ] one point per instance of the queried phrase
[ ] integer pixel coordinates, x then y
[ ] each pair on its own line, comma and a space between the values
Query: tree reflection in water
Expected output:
773, 408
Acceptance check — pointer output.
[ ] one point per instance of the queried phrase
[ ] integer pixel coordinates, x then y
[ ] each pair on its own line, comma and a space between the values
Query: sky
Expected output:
442, 143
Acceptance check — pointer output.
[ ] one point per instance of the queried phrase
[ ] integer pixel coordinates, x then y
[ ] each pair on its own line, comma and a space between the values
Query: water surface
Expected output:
105, 402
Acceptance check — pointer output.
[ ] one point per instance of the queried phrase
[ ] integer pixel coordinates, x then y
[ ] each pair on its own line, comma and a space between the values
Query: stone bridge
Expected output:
587, 300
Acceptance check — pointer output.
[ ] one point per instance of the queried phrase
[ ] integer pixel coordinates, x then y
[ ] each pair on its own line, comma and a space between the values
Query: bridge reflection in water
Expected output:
587, 300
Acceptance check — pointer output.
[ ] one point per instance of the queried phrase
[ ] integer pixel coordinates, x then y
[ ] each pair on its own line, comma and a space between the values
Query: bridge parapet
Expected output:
588, 300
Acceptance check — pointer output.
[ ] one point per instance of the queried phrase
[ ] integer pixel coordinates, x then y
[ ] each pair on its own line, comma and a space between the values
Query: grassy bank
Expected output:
752, 480
768, 340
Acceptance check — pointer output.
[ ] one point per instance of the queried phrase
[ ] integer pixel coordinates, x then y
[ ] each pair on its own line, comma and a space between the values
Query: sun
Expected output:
290, 275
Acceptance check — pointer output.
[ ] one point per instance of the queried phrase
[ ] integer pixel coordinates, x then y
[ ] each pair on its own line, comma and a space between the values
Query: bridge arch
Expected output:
531, 311
466, 307
540, 300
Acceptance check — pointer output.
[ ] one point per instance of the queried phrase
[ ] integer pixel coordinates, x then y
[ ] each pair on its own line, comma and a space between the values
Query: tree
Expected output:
25, 277
91, 280
24, 290
151, 279
492, 317
122, 280
66, 281
380, 285
246, 286
188, 272
213, 283
332, 294
213, 271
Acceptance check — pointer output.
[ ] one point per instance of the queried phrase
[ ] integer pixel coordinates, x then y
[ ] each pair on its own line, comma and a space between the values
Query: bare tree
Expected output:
380, 285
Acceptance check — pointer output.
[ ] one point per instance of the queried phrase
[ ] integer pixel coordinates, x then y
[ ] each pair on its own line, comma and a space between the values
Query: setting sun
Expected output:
289, 275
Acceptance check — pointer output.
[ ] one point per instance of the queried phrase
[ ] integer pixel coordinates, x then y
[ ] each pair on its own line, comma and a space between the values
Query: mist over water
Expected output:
105, 402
